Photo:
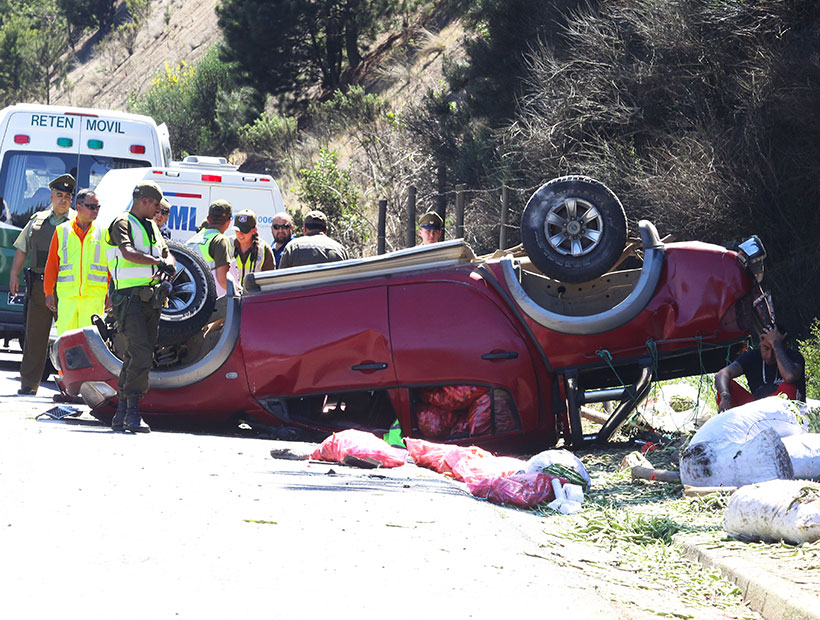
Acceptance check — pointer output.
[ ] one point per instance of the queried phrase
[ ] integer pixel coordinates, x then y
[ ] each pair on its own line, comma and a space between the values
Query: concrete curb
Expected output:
771, 596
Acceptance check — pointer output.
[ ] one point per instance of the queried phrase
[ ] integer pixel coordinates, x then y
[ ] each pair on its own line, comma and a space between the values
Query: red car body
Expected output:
375, 337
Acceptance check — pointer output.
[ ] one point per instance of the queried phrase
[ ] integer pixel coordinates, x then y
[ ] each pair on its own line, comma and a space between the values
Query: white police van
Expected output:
190, 186
39, 143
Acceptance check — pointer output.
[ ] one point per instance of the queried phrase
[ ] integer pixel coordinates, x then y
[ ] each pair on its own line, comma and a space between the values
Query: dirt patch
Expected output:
176, 30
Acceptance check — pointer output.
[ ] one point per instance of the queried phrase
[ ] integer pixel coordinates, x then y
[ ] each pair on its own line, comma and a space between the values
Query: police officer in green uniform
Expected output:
139, 261
33, 243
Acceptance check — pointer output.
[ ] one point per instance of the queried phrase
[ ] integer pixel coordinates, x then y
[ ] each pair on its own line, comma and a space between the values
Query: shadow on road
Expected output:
328, 481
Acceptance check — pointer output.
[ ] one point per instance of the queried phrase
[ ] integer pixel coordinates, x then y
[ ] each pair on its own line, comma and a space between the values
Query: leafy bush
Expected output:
269, 134
329, 189
203, 105
810, 348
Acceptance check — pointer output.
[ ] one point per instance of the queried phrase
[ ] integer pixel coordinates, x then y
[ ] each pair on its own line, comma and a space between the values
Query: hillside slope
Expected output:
106, 75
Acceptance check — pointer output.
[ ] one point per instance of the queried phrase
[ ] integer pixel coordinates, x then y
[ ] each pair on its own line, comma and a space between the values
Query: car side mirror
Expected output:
752, 254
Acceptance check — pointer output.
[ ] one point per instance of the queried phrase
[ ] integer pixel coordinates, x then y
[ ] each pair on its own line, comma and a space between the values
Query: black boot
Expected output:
118, 421
133, 421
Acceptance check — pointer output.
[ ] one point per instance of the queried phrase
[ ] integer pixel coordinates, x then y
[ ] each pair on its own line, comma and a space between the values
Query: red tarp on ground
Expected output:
352, 442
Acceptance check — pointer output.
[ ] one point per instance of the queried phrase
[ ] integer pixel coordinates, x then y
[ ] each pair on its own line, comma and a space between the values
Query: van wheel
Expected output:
192, 298
573, 229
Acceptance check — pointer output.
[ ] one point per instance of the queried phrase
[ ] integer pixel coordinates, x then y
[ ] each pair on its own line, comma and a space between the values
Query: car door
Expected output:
317, 342
453, 332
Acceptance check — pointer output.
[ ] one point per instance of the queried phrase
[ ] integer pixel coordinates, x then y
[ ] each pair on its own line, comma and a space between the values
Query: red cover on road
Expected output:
520, 490
359, 444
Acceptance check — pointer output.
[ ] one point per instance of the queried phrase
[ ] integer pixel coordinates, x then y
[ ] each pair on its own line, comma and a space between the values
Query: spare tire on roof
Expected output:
573, 229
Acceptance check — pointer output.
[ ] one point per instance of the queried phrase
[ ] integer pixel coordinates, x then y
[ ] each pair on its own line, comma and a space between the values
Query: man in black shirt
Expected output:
771, 369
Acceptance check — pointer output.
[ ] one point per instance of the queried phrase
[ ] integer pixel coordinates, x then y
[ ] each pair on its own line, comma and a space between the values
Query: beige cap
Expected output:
316, 219
148, 189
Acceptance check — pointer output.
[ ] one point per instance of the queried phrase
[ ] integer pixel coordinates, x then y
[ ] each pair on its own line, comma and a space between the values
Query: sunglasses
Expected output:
93, 207
165, 211
280, 226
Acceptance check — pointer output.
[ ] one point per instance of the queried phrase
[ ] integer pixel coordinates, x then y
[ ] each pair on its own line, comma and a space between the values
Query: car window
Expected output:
459, 411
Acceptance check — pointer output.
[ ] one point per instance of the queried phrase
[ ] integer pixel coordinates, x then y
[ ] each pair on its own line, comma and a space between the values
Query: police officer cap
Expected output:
431, 220
316, 219
245, 221
148, 189
220, 208
64, 183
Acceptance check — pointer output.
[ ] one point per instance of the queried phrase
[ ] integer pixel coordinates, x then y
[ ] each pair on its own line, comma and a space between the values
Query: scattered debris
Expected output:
60, 412
650, 473
634, 459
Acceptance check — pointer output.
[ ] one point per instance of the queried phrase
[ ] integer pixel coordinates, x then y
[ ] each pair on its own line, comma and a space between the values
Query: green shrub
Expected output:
203, 106
810, 348
329, 189
269, 134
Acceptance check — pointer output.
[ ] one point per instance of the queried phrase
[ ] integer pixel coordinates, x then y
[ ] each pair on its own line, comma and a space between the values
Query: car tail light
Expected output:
137, 149
265, 180
21, 139
212, 178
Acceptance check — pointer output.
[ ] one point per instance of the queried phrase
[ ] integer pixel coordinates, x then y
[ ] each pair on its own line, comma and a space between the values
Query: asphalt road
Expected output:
95, 524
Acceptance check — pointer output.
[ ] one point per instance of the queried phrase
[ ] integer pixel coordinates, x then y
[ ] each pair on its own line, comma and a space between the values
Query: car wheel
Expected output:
191, 301
573, 229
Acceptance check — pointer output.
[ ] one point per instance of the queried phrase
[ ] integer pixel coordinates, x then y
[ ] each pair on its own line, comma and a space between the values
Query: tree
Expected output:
33, 50
303, 40
48, 48
82, 14
507, 31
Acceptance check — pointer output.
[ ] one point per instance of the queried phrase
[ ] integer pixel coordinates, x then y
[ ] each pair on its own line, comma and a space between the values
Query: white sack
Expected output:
544, 459
740, 424
717, 463
804, 452
786, 510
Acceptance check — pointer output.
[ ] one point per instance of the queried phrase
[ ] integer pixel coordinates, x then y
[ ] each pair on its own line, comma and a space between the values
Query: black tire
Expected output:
573, 229
192, 299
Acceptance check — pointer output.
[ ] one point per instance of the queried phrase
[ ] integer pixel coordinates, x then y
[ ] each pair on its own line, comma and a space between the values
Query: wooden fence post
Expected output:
505, 209
460, 210
410, 236
382, 225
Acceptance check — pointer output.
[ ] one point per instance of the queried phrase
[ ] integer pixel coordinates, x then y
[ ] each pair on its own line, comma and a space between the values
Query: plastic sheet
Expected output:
804, 452
565, 458
480, 416
435, 422
520, 490
451, 397
428, 454
360, 444
776, 510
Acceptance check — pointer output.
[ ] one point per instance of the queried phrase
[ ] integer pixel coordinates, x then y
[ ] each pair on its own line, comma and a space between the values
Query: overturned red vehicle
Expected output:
486, 351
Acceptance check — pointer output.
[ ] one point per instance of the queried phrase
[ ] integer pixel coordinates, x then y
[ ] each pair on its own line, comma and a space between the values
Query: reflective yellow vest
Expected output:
125, 273
253, 262
201, 241
83, 266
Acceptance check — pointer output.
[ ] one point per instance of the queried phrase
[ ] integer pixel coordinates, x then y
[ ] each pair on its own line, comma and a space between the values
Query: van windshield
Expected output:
25, 176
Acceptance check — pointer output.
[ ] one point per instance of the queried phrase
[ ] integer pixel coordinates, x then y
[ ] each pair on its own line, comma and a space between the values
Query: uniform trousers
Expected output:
139, 325
75, 312
38, 326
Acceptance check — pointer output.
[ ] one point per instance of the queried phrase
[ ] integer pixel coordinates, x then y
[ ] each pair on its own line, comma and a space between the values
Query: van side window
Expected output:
25, 180
25, 176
